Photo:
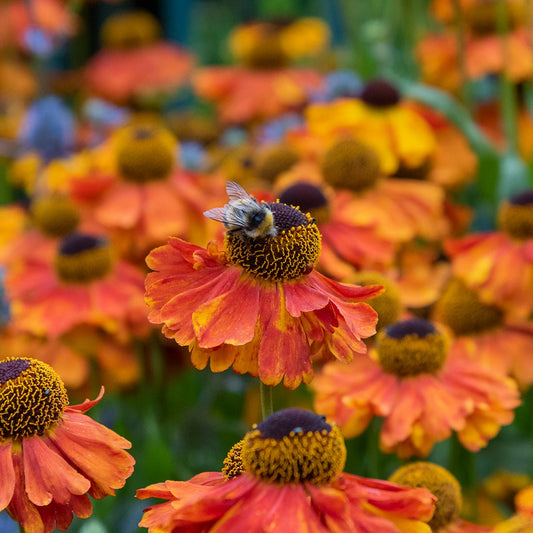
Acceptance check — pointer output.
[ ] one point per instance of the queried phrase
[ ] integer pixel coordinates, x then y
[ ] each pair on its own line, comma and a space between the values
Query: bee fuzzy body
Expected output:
244, 215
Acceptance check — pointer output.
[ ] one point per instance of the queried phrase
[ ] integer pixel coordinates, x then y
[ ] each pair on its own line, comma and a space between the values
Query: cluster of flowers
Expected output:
310, 233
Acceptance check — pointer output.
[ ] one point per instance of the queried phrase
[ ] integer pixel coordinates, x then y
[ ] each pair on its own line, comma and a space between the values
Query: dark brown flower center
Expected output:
32, 398
411, 347
293, 252
380, 93
309, 198
294, 446
83, 258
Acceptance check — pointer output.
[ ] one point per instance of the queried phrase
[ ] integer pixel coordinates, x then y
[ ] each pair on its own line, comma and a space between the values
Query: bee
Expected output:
244, 215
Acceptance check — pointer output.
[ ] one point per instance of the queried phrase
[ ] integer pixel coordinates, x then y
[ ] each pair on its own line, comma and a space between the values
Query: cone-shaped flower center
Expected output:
461, 309
233, 466
130, 30
515, 217
309, 198
351, 164
32, 398
438, 481
294, 251
380, 93
145, 153
55, 215
276, 160
294, 446
83, 258
411, 347
388, 304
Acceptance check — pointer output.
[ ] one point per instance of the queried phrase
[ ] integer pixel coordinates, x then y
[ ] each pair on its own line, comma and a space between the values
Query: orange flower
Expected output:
71, 354
52, 461
123, 76
198, 295
446, 488
381, 120
484, 55
286, 474
84, 285
484, 261
483, 333
150, 198
421, 390
242, 94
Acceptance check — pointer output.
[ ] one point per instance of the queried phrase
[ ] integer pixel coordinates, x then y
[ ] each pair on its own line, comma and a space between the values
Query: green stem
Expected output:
461, 51
508, 95
21, 529
266, 399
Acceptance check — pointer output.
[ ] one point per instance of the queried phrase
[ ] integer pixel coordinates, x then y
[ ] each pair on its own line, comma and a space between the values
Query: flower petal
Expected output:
7, 475
229, 318
48, 476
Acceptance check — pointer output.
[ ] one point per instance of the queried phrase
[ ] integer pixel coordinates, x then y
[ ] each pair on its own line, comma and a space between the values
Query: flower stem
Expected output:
461, 51
508, 95
266, 399
21, 529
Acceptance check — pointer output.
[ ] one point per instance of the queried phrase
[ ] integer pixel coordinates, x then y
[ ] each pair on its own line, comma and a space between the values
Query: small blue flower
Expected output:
38, 42
48, 128
274, 130
340, 84
192, 155
102, 113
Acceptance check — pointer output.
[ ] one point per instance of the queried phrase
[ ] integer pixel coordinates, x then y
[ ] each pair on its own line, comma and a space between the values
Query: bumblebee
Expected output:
244, 215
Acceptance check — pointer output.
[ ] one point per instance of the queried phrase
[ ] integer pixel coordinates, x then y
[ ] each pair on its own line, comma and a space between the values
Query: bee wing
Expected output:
236, 192
217, 213
235, 218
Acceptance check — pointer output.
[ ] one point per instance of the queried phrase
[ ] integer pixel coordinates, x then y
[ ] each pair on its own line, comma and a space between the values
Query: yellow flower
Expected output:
381, 120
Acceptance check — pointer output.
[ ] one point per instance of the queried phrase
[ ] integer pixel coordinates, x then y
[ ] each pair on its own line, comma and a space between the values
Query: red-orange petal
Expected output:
47, 476
229, 318
7, 475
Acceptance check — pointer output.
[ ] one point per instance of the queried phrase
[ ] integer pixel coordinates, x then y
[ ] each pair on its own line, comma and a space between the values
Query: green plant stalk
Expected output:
267, 405
460, 36
508, 95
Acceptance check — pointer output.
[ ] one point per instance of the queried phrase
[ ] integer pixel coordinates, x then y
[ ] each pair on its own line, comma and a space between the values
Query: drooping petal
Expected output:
48, 476
7, 474
96, 451
284, 349
20, 508
229, 318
